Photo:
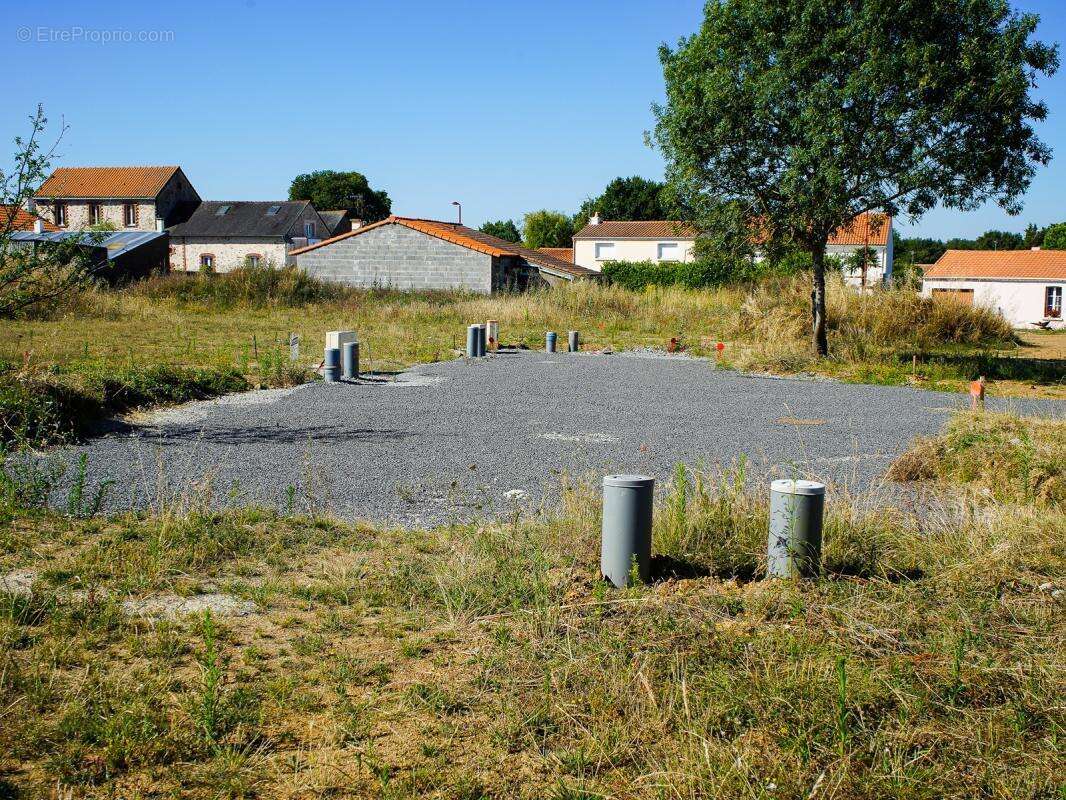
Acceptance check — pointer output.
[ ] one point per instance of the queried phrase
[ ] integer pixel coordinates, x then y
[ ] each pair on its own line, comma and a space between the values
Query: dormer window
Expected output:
222, 211
309, 229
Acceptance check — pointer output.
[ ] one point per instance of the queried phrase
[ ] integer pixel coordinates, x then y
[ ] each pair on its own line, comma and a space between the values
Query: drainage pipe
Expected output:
350, 361
331, 364
574, 341
625, 545
473, 339
549, 342
794, 546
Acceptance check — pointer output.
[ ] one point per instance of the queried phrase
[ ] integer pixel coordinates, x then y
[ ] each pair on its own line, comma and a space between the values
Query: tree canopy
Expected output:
1055, 237
547, 229
329, 190
1000, 240
791, 117
632, 198
503, 229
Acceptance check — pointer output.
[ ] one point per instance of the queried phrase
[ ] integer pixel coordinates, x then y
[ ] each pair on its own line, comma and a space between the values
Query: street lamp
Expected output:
460, 205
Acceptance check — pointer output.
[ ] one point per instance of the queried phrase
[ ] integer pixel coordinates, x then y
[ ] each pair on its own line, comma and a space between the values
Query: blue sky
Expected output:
504, 106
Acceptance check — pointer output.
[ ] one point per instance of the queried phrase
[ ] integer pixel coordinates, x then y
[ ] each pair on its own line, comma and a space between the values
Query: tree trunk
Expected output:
821, 344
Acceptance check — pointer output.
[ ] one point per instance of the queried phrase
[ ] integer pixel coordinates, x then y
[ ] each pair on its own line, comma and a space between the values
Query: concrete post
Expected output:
626, 534
574, 341
473, 340
331, 364
794, 547
549, 342
350, 361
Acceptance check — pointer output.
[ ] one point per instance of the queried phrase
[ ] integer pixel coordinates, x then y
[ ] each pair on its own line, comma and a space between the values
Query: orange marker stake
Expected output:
977, 394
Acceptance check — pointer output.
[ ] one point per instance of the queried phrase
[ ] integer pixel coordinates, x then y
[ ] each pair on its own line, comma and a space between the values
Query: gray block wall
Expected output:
397, 257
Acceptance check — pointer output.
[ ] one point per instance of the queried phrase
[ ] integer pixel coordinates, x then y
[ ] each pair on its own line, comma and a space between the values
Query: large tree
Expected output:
1000, 240
547, 229
503, 229
632, 198
1055, 236
329, 190
794, 116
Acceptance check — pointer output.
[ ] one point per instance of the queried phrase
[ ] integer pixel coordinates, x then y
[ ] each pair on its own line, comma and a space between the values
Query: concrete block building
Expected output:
421, 254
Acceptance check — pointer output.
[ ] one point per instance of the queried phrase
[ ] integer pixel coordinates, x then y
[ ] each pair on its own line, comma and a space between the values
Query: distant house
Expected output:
116, 256
221, 235
134, 198
338, 221
16, 218
409, 253
667, 240
1025, 286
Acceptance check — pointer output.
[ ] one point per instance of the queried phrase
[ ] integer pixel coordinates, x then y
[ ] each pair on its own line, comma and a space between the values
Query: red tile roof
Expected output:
117, 182
1005, 264
23, 220
868, 228
563, 253
641, 229
465, 237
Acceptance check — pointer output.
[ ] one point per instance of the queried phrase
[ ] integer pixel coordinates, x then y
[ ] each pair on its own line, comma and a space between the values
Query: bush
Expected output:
50, 408
704, 272
250, 286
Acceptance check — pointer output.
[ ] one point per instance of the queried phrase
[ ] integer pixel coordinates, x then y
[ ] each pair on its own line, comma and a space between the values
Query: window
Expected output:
222, 210
309, 229
669, 251
94, 214
207, 262
61, 213
273, 211
129, 214
604, 251
253, 260
1053, 302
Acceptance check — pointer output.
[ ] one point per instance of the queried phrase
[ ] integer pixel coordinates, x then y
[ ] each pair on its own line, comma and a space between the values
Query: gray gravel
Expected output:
456, 440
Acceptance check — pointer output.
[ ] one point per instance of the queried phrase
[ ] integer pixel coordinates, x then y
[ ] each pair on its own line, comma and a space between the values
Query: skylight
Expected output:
273, 211
221, 211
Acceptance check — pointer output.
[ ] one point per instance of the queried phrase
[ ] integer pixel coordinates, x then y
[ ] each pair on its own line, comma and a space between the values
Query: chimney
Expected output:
357, 223
38, 226
595, 218
1034, 249
159, 225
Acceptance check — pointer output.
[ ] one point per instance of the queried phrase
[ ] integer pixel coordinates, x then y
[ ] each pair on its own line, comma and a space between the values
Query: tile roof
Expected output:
564, 253
1005, 264
117, 182
242, 218
465, 237
642, 229
870, 228
23, 220
867, 228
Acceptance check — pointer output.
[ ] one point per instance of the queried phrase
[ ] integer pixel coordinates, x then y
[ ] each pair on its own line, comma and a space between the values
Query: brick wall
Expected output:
398, 257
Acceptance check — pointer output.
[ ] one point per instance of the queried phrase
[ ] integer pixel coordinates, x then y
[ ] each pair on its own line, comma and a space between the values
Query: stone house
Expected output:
126, 198
221, 235
423, 254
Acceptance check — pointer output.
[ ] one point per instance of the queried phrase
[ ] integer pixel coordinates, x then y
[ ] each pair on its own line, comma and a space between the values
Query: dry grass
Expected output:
243, 322
488, 661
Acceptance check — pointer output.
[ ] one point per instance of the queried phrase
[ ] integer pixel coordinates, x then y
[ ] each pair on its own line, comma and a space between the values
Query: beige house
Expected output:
222, 235
1025, 286
666, 240
125, 198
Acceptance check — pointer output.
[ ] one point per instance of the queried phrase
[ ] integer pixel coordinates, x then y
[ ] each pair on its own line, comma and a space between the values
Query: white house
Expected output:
665, 240
1025, 286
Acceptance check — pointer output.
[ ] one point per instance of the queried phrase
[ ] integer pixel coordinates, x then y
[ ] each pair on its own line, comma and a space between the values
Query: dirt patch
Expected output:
170, 606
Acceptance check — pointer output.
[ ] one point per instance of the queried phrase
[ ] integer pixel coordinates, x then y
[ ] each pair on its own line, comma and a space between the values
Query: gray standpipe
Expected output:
626, 535
549, 342
574, 341
350, 361
794, 548
473, 341
483, 339
331, 364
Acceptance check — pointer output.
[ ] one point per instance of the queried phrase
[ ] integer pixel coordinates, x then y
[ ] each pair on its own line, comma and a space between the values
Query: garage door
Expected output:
964, 296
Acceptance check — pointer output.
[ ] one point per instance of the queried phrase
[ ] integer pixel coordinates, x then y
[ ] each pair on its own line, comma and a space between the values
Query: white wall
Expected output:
1021, 302
875, 273
628, 250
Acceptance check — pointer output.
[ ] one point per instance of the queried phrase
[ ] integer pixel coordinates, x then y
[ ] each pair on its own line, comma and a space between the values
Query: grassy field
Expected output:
242, 322
489, 661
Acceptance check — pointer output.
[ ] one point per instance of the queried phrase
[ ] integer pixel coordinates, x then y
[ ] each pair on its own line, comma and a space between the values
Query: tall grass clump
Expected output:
253, 286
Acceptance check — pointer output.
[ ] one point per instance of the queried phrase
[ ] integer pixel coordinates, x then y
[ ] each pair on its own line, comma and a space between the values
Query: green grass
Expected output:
487, 660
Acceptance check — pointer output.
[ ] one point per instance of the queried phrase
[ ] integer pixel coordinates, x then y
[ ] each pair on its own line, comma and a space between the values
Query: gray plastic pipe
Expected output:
549, 342
331, 364
574, 341
350, 361
794, 547
626, 535
473, 341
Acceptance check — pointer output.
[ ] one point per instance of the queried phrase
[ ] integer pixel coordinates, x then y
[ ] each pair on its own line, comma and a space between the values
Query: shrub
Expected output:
250, 286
